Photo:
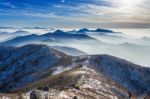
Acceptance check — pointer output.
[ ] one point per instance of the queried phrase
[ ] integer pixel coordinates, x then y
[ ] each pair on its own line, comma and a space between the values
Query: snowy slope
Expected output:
84, 83
37, 66
132, 77
22, 65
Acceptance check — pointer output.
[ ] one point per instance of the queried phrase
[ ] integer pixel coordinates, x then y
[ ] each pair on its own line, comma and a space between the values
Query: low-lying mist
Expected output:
134, 53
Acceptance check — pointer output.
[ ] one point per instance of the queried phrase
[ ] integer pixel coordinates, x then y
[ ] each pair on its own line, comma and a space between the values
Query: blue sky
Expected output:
75, 13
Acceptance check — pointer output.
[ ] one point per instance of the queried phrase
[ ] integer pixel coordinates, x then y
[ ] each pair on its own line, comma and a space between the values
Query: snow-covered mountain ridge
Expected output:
39, 67
17, 65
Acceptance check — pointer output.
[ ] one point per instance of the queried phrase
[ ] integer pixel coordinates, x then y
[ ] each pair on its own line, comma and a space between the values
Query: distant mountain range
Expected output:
47, 70
15, 33
7, 28
10, 35
97, 30
56, 36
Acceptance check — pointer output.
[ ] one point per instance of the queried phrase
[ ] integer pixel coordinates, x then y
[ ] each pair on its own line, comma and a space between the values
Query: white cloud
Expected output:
119, 11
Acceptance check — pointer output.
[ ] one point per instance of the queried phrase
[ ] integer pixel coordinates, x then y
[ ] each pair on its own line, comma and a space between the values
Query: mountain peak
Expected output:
83, 30
103, 30
58, 31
